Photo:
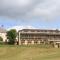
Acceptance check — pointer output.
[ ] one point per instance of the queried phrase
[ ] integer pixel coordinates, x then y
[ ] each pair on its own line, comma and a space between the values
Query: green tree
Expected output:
11, 36
1, 39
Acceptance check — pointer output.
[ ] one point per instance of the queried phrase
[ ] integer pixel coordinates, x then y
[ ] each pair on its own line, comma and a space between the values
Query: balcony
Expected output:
50, 33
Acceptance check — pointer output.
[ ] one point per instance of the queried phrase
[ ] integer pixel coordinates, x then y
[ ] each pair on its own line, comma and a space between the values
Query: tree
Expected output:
11, 36
1, 39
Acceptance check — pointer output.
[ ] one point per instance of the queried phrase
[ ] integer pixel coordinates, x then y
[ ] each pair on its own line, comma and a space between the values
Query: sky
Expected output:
32, 13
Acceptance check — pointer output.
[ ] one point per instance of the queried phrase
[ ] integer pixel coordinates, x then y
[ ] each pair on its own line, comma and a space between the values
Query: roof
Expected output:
2, 30
38, 30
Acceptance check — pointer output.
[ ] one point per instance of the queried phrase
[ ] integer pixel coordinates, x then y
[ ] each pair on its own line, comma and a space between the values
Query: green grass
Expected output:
30, 52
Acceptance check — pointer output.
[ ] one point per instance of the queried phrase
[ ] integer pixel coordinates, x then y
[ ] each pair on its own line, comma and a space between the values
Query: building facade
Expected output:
38, 36
3, 34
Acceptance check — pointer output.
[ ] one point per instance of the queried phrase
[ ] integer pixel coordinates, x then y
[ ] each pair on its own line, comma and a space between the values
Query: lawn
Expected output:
36, 52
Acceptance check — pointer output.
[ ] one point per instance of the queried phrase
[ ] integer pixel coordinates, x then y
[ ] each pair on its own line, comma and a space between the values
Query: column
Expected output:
32, 42
26, 42
44, 42
55, 45
19, 40
38, 41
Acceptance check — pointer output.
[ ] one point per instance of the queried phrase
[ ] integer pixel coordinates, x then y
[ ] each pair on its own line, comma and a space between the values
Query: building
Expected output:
3, 34
38, 36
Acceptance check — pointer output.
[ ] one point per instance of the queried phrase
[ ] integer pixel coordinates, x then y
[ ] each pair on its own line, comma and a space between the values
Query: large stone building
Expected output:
38, 36
3, 34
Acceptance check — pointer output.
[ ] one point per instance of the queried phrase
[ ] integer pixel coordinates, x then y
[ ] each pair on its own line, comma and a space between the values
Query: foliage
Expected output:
11, 36
1, 39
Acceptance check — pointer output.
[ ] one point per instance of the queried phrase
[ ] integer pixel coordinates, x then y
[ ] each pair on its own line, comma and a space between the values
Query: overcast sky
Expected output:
36, 13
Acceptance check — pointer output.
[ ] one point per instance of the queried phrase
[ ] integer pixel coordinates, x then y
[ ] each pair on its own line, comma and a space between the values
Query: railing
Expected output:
41, 32
54, 40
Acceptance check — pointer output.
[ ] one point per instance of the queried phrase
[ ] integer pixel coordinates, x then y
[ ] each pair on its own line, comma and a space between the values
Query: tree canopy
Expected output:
11, 36
1, 39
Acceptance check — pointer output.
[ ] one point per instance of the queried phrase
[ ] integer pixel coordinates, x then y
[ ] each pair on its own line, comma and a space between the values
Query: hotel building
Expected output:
38, 36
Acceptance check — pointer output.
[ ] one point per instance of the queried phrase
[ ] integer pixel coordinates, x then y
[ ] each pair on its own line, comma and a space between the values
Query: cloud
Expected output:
21, 27
30, 9
49, 9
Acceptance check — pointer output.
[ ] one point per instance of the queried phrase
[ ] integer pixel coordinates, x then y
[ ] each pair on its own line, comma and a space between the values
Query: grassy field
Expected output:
36, 52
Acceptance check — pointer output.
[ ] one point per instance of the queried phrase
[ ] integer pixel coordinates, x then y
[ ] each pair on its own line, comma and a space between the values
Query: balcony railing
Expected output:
41, 33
